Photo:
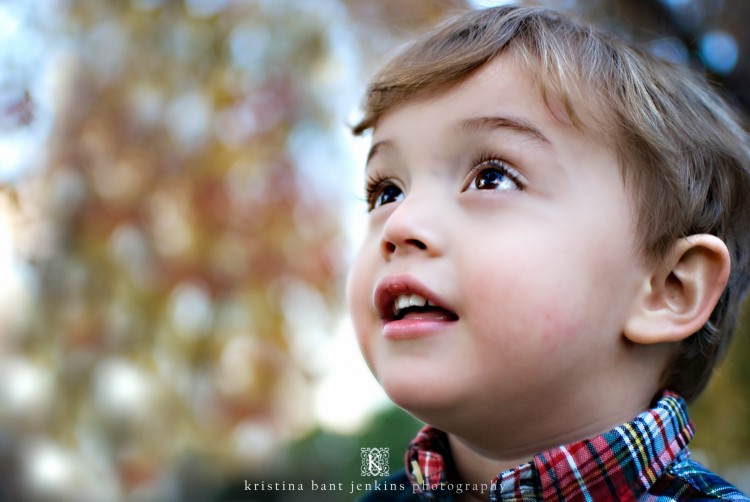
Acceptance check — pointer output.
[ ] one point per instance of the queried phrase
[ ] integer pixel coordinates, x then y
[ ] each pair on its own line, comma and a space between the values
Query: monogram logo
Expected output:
375, 462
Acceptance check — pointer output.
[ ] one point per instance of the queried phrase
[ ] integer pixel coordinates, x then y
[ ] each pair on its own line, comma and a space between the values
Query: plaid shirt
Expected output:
645, 460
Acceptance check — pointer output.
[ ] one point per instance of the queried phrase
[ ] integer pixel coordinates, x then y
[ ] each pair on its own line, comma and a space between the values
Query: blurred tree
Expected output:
183, 232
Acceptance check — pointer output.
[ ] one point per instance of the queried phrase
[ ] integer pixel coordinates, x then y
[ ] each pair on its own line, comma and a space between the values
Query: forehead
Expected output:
502, 94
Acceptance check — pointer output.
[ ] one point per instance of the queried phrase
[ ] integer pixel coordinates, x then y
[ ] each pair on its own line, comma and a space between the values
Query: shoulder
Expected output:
396, 487
688, 480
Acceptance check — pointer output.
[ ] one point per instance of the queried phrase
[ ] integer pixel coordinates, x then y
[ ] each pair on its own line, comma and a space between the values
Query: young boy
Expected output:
558, 245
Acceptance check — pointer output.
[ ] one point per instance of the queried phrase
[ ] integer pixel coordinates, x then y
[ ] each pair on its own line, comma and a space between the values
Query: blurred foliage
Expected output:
330, 459
180, 255
178, 246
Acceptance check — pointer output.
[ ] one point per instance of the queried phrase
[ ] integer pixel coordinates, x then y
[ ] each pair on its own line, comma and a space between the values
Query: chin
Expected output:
423, 401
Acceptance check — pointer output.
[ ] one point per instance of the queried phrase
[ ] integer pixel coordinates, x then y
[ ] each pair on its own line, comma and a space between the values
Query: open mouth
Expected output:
404, 299
419, 308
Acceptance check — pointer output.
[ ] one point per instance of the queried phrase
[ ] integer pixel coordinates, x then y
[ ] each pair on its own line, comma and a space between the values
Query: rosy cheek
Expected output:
360, 315
359, 303
557, 328
527, 312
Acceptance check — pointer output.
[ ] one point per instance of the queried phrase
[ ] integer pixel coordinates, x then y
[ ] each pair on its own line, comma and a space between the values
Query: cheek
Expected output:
359, 287
537, 299
535, 315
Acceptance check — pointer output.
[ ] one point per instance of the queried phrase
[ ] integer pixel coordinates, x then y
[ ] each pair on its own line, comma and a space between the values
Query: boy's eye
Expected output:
384, 193
495, 175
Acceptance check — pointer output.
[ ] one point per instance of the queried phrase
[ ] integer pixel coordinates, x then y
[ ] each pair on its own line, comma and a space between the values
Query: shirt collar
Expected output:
618, 465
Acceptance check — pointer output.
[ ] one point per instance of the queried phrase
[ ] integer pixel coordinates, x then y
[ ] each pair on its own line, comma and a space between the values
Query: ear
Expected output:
678, 298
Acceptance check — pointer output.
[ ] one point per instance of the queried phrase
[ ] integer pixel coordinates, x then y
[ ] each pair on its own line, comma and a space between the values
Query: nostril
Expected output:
389, 247
417, 243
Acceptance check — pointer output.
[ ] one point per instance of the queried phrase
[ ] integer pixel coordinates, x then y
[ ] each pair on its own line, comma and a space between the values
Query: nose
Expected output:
412, 227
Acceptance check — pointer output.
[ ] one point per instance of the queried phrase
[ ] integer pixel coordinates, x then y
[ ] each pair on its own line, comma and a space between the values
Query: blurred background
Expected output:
179, 200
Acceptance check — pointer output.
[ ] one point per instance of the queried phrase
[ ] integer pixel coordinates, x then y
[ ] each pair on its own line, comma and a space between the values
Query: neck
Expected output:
479, 459
477, 469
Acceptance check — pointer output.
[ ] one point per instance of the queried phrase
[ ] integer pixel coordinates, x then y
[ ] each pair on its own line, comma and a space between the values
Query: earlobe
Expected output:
678, 298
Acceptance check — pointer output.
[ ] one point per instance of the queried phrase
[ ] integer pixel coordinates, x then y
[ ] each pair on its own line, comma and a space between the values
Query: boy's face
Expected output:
518, 226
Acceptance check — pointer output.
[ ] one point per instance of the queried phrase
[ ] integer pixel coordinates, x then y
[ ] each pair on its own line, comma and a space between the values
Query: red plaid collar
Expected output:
619, 465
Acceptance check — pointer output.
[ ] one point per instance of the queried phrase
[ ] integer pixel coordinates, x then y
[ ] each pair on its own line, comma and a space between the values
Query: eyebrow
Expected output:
517, 125
378, 145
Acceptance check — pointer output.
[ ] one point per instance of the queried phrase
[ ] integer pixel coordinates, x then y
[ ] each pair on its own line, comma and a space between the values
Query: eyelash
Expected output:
373, 187
487, 159
375, 182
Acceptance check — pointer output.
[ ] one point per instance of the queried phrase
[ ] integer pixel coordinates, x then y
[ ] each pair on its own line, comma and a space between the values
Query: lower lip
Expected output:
408, 329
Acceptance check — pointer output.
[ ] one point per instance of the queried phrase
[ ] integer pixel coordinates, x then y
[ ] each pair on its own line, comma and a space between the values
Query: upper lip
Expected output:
392, 287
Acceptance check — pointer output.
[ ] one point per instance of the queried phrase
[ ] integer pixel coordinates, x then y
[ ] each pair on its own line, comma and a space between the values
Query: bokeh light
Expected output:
719, 51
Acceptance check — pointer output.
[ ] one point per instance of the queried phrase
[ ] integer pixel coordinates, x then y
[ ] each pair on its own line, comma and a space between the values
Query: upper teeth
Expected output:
405, 301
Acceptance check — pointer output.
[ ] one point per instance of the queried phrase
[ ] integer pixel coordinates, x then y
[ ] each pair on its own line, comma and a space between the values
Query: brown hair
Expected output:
682, 151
